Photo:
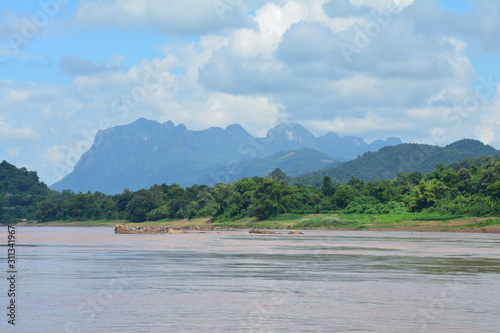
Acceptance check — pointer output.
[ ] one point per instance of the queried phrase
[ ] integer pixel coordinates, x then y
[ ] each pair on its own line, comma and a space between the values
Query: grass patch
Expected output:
482, 224
374, 219
329, 222
266, 225
434, 217
287, 217
401, 221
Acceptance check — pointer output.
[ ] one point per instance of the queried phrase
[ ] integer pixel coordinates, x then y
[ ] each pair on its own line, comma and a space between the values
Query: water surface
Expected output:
91, 280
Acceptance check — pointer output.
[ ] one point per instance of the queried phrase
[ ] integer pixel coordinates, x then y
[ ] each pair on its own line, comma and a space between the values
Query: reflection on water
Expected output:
91, 280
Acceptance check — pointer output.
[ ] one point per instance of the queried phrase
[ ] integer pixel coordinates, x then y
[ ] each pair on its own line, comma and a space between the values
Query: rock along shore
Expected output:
125, 229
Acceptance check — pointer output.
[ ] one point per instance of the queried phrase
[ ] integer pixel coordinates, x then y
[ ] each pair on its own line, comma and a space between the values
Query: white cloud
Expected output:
13, 151
257, 114
10, 132
56, 154
402, 68
272, 21
488, 130
368, 123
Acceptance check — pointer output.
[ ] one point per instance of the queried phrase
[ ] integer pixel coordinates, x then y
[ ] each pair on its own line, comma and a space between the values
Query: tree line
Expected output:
460, 189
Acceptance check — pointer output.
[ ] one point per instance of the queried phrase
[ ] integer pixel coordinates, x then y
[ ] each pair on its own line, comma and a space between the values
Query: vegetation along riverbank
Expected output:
382, 222
462, 196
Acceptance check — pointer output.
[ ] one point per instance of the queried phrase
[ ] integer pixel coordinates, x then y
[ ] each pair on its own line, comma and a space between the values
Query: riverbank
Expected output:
386, 222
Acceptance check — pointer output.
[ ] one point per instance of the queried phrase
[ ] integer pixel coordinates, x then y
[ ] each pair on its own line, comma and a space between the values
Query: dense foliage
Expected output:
20, 191
472, 190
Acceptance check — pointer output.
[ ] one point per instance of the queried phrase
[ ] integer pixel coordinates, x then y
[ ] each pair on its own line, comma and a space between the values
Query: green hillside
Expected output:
20, 190
390, 160
294, 163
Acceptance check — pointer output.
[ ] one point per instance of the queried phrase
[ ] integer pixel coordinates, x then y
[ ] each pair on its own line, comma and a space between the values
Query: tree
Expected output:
357, 183
221, 194
493, 190
327, 186
191, 210
79, 205
409, 178
267, 199
382, 190
123, 199
490, 175
140, 205
464, 183
46, 211
344, 194
427, 193
263, 208
278, 175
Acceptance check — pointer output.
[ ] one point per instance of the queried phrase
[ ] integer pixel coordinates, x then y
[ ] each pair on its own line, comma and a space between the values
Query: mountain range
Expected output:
146, 152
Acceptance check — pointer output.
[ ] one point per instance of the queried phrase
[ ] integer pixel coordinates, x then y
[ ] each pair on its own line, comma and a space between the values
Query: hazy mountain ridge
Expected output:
146, 152
294, 163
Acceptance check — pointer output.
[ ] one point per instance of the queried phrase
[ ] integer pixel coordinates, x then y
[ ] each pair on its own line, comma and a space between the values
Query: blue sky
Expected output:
425, 71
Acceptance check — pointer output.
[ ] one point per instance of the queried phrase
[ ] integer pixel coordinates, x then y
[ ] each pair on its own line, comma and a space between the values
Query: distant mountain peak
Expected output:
291, 132
181, 127
169, 124
466, 142
142, 121
471, 145
237, 130
234, 127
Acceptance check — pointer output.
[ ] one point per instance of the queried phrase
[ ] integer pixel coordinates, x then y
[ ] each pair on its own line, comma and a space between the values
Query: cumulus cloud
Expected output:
271, 21
305, 42
396, 67
257, 114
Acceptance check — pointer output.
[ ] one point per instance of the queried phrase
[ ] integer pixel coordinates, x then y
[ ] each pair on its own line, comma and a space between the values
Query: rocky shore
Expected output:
125, 229
270, 232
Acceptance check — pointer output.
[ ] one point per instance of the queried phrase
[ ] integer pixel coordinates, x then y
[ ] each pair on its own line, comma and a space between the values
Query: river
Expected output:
72, 279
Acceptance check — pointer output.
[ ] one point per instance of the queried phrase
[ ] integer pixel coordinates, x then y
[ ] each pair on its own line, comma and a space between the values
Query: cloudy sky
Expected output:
425, 71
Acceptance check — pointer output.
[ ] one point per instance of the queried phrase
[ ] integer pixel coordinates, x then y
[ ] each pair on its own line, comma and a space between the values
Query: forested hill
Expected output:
390, 160
20, 190
19, 181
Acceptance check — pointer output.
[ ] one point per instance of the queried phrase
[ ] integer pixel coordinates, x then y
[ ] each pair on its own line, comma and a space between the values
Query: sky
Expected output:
423, 71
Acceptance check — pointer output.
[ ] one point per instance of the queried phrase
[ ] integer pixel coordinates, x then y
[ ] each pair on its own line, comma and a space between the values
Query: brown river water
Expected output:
72, 279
